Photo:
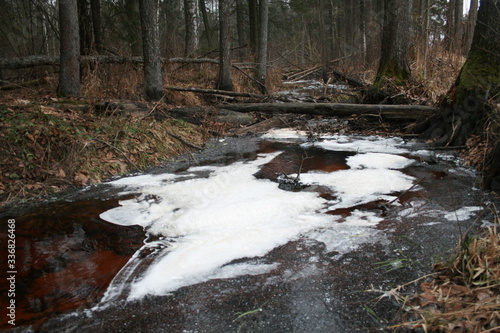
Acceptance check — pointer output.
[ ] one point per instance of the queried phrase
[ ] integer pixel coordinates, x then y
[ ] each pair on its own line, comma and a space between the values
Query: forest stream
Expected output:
276, 233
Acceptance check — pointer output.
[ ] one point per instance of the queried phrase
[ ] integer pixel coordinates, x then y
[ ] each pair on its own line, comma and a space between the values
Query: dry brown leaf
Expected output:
454, 289
81, 179
60, 173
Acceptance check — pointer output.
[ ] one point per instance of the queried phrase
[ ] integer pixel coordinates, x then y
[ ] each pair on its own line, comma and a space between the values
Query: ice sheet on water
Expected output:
462, 214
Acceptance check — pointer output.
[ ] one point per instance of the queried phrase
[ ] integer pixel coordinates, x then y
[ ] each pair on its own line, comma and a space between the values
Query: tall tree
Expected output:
191, 41
263, 31
153, 83
132, 26
85, 26
396, 34
323, 34
468, 101
253, 18
240, 28
471, 23
206, 22
69, 73
95, 6
225, 81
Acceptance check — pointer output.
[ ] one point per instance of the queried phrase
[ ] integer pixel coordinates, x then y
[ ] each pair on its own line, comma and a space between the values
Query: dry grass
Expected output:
465, 295
438, 71
46, 147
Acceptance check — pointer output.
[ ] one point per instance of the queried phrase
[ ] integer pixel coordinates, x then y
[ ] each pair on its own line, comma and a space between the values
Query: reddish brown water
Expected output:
65, 258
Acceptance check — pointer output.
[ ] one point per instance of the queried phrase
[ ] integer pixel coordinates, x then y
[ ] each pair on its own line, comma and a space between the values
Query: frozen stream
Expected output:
279, 234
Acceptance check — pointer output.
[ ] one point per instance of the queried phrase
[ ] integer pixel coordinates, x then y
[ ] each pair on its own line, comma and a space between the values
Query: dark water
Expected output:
66, 256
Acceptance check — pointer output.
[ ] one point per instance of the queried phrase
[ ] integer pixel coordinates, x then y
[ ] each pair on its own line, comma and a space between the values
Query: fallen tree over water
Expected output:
392, 112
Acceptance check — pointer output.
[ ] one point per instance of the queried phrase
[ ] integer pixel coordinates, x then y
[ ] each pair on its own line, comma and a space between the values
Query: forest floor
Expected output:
51, 144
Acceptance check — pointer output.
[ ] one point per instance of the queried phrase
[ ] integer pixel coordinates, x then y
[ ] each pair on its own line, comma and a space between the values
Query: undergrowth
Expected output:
463, 294
46, 148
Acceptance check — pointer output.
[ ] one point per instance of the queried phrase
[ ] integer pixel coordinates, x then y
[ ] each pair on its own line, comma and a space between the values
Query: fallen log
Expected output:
9, 86
398, 112
215, 91
45, 60
351, 81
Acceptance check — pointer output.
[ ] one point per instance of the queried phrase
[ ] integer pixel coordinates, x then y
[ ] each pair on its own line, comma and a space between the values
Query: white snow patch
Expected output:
378, 161
215, 220
362, 144
354, 187
462, 214
232, 271
285, 134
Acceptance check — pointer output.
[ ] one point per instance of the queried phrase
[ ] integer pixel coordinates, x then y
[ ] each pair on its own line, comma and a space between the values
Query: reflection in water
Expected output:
66, 257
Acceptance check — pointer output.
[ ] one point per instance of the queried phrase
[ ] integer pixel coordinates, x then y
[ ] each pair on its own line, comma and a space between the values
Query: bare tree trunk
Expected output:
69, 73
471, 23
323, 34
95, 6
85, 26
206, 22
151, 49
253, 24
225, 81
240, 28
191, 43
372, 29
394, 61
133, 26
263, 29
458, 31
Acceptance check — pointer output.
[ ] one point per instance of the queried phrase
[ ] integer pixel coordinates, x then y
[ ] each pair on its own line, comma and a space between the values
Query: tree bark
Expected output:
471, 23
132, 26
323, 33
458, 31
151, 49
225, 80
191, 38
396, 34
240, 29
95, 6
253, 19
69, 73
263, 29
397, 112
85, 26
206, 22
464, 108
